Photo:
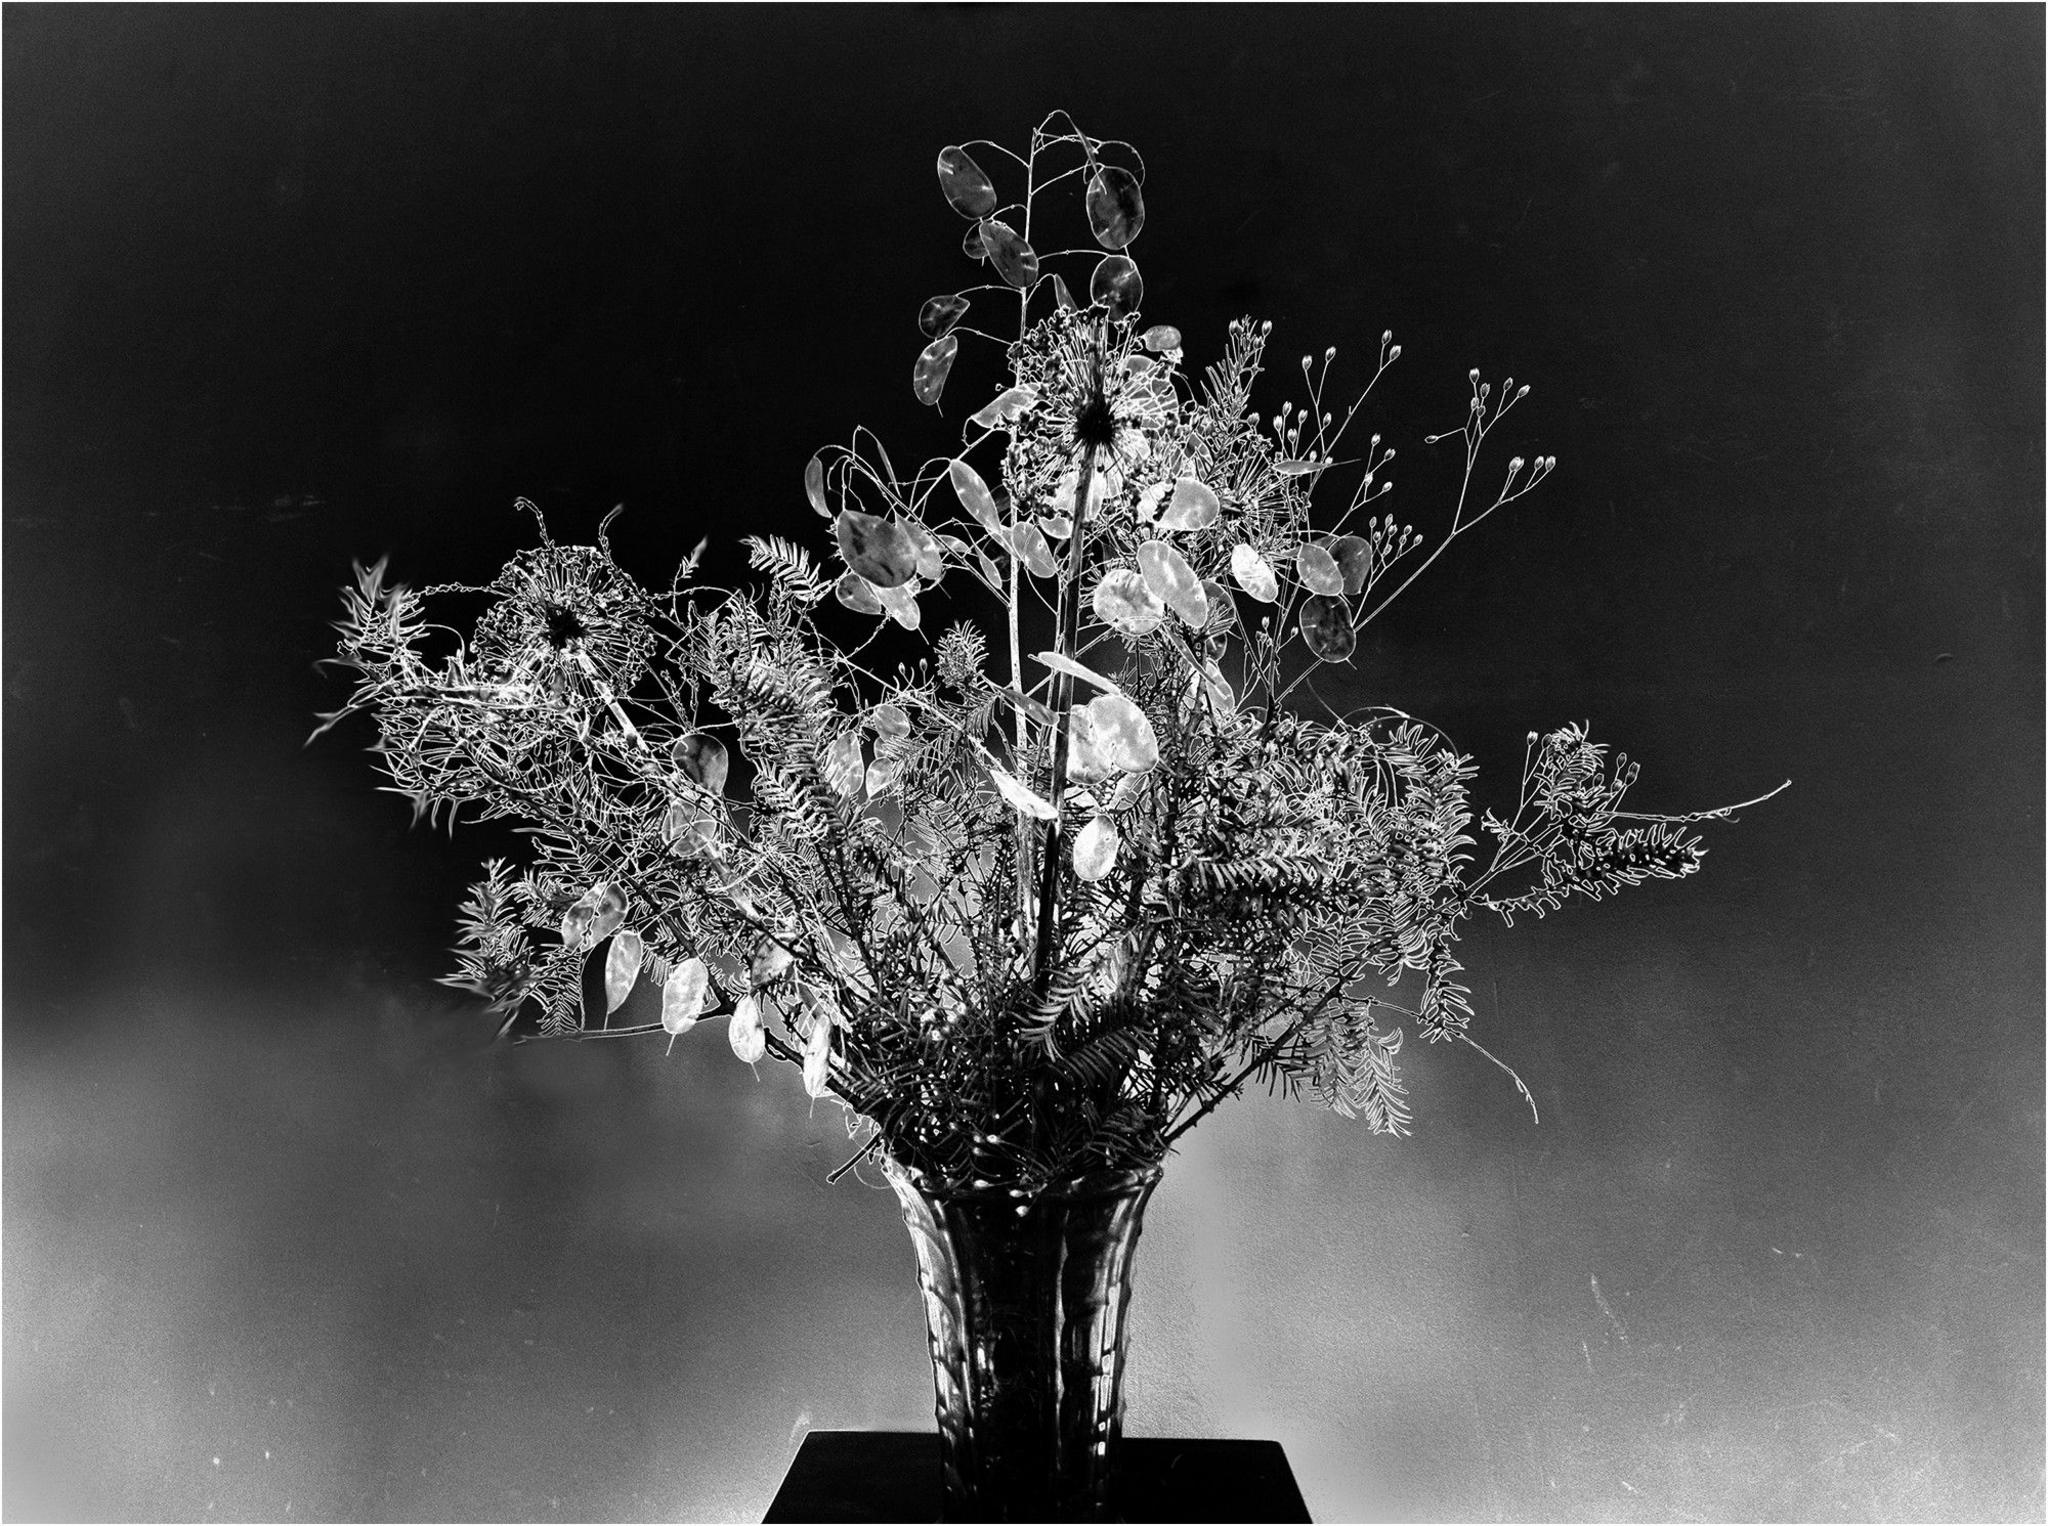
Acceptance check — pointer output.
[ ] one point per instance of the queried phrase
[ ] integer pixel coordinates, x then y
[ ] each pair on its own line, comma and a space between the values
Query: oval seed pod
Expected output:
1123, 733
890, 720
1147, 508
1027, 801
1222, 608
817, 1056
1085, 762
1160, 337
1326, 628
683, 994
814, 486
772, 959
1015, 261
690, 827
622, 967
1123, 603
968, 190
1167, 573
856, 593
748, 1033
843, 767
1095, 850
1318, 570
1116, 208
974, 495
702, 759
878, 550
1006, 409
1117, 285
1030, 546
901, 603
576, 923
1254, 574
610, 904
1194, 506
1353, 556
928, 376
882, 775
924, 546
938, 315
971, 245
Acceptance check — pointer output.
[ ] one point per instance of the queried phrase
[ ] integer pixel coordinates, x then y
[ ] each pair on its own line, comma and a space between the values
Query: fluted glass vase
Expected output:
1025, 1300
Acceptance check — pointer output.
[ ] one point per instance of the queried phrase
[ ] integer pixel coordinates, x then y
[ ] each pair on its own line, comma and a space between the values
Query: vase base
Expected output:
894, 1476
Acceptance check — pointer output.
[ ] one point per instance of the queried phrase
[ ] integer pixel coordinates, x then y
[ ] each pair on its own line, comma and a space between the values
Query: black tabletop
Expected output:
894, 1476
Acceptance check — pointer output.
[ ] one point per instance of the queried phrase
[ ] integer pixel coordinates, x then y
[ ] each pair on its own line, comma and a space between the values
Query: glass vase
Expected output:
1025, 1299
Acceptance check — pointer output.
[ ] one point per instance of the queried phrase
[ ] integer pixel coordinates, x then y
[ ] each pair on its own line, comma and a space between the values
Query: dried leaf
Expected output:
691, 828
622, 967
968, 190
1073, 669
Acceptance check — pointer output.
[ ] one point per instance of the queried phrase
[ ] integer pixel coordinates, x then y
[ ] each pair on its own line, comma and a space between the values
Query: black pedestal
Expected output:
894, 1476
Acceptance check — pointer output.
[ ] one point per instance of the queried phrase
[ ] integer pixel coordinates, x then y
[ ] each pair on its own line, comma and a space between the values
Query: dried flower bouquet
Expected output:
1034, 902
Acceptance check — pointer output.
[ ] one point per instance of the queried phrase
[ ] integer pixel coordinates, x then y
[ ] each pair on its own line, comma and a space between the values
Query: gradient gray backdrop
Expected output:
286, 1239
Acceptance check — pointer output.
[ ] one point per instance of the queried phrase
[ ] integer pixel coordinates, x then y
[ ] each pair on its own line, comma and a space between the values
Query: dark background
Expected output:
285, 1238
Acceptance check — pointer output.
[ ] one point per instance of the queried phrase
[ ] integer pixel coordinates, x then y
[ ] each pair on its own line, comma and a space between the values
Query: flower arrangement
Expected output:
1034, 901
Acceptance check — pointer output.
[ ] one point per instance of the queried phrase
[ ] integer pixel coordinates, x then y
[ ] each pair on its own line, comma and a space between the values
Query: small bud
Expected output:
1307, 361
1389, 334
1474, 374
1266, 327
1394, 353
1330, 354
1515, 466
1523, 390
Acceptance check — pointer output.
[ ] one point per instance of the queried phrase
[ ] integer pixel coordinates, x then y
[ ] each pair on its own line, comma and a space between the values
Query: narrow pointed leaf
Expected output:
1019, 798
1073, 669
1061, 297
928, 376
1015, 261
1116, 208
1294, 468
968, 190
1117, 285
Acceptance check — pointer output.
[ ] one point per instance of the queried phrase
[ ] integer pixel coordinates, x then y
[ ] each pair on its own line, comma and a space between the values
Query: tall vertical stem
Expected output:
1063, 709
